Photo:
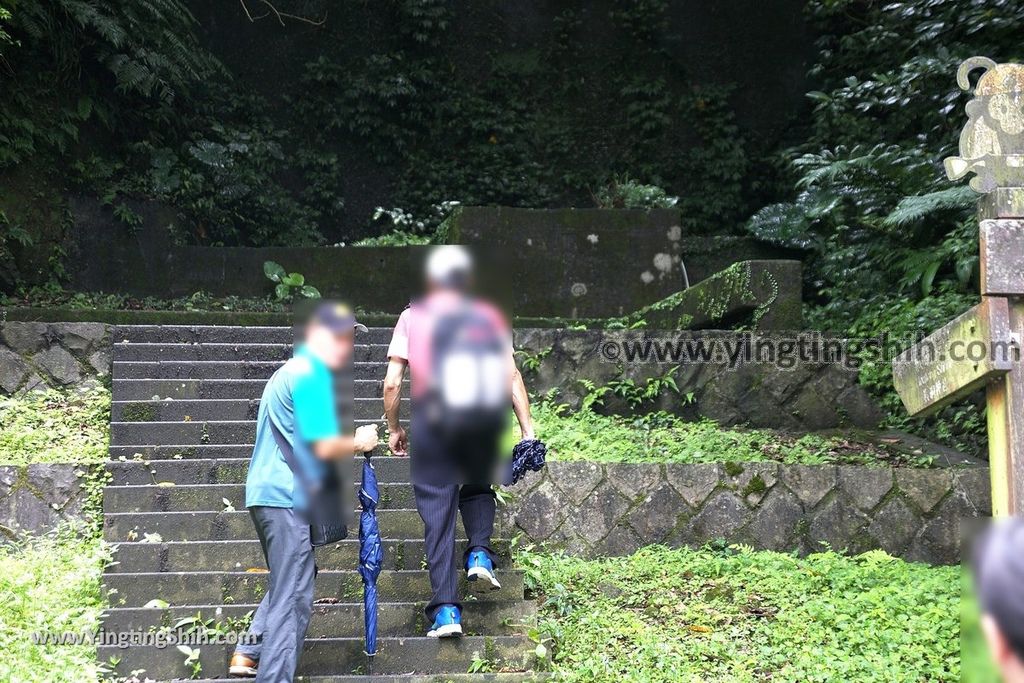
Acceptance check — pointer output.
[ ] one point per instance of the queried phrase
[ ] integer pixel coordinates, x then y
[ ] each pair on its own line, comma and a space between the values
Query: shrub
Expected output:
50, 585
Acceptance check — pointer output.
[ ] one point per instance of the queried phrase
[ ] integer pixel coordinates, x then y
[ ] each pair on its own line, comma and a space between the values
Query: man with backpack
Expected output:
463, 380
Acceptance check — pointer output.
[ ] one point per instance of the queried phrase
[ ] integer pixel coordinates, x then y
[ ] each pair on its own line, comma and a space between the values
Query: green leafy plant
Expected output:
288, 286
626, 193
192, 659
635, 395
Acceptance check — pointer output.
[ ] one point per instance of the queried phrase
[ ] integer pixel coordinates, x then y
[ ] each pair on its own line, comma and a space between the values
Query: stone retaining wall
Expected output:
613, 509
35, 499
58, 355
805, 397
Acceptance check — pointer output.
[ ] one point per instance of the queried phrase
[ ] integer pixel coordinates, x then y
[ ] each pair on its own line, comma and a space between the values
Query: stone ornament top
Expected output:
992, 142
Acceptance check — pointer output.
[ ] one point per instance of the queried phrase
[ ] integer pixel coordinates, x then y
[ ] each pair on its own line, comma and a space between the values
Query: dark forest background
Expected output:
818, 125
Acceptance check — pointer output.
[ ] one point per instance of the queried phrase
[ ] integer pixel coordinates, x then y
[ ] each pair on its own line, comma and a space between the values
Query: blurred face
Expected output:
1002, 653
333, 348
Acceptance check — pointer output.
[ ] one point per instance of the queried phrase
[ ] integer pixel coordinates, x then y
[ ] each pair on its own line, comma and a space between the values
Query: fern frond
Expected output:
912, 210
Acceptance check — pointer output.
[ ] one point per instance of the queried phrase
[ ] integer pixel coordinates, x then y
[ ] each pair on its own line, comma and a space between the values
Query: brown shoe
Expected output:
242, 666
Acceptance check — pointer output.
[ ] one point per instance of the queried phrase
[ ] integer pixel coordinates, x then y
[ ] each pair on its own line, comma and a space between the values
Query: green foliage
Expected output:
891, 246
636, 395
660, 437
225, 178
104, 63
5, 37
901, 321
288, 286
126, 97
975, 660
54, 297
739, 615
625, 193
394, 239
872, 207
50, 585
53, 426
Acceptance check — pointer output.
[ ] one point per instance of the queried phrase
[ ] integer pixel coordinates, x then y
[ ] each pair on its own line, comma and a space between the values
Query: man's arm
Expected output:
521, 404
392, 401
332, 448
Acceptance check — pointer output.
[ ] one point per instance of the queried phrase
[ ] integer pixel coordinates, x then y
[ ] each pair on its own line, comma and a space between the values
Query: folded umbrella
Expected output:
370, 552
527, 456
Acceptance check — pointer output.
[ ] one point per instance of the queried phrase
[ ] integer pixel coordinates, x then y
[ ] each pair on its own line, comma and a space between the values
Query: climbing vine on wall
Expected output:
391, 106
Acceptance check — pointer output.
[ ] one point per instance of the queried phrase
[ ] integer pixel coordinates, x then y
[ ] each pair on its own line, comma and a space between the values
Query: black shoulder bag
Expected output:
325, 500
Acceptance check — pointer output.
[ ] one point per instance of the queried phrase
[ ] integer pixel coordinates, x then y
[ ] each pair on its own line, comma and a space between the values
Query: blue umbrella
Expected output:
370, 553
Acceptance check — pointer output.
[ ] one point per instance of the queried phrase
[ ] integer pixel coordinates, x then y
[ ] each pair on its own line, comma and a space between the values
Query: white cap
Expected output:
448, 264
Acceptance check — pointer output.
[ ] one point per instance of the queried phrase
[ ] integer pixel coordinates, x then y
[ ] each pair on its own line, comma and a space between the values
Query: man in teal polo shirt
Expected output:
299, 403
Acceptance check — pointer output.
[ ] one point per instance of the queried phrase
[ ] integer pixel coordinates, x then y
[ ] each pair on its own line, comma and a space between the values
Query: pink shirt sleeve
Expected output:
399, 346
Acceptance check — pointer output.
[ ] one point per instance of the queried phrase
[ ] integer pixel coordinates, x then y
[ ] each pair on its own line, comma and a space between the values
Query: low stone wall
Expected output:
59, 355
35, 499
804, 397
648, 249
613, 509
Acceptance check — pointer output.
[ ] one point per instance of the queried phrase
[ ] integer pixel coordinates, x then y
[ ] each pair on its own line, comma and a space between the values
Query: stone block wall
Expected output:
35, 499
58, 355
592, 510
805, 397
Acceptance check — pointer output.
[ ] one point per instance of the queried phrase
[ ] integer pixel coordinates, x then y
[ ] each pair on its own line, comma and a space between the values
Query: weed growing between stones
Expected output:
54, 426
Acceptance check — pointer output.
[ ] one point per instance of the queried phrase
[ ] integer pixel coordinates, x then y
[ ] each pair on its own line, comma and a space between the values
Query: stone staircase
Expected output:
184, 403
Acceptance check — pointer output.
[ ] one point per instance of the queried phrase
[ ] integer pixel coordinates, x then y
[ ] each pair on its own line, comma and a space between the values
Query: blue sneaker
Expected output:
447, 623
479, 566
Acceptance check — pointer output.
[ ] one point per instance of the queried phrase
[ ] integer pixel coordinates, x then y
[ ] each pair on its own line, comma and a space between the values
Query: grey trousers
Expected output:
279, 624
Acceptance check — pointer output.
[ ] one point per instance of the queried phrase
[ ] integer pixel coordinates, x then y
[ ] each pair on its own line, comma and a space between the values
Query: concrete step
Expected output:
211, 497
225, 334
220, 526
194, 369
197, 470
217, 369
193, 433
331, 656
228, 352
518, 677
161, 389
221, 409
205, 588
180, 556
341, 620
127, 351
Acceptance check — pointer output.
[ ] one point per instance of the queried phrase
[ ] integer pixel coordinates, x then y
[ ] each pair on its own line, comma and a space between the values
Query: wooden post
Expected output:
992, 148
1001, 237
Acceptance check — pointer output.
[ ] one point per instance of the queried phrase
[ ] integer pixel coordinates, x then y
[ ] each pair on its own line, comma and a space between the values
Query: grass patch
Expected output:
975, 661
743, 616
54, 426
661, 437
50, 585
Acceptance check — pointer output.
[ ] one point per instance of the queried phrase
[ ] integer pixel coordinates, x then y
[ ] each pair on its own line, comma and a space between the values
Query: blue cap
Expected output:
338, 318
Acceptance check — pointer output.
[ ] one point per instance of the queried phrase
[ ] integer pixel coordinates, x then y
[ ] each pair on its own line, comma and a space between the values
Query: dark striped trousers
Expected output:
440, 498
